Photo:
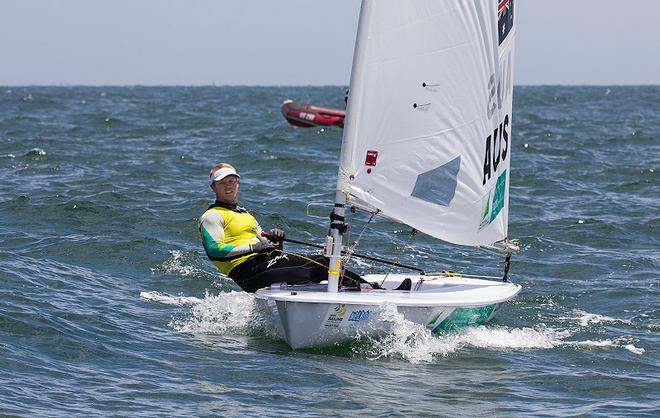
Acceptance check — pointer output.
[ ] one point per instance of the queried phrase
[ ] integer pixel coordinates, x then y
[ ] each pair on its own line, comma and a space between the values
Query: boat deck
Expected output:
427, 291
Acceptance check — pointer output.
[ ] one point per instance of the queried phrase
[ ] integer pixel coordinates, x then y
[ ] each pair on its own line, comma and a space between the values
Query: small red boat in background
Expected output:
308, 116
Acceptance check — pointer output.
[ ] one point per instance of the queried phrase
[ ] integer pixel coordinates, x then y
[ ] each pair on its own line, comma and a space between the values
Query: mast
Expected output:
351, 127
333, 242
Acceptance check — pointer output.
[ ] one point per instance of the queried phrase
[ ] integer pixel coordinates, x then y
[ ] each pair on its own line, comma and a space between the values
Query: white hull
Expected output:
309, 316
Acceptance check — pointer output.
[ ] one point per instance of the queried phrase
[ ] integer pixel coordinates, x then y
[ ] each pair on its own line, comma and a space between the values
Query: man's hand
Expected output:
276, 234
262, 247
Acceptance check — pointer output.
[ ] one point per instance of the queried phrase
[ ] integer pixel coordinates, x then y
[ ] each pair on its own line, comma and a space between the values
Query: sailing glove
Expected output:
262, 247
276, 234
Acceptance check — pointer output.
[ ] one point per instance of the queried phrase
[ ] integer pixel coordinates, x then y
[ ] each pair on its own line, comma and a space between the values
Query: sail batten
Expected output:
428, 125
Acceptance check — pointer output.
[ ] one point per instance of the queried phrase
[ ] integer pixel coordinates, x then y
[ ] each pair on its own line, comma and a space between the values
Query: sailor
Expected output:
235, 243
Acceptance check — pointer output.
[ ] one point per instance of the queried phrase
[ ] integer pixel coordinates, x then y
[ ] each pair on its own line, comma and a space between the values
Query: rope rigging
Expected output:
413, 232
351, 250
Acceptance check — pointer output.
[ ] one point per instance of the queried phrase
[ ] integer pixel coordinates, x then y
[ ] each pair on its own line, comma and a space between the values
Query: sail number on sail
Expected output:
497, 146
500, 89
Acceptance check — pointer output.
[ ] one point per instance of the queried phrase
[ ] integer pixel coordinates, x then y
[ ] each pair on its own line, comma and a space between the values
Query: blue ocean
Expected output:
109, 306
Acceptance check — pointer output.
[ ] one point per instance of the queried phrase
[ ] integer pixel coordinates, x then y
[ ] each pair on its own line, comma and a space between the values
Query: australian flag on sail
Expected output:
504, 18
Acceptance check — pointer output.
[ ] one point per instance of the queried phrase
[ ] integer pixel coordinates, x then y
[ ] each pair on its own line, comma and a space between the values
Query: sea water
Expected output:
108, 305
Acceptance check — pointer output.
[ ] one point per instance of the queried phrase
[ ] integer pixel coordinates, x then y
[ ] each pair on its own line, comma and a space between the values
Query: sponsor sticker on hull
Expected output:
340, 316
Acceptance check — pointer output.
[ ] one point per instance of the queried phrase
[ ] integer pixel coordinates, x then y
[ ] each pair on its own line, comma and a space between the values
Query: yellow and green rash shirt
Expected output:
227, 234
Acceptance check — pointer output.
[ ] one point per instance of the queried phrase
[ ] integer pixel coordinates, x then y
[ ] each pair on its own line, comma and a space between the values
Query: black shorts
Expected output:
278, 267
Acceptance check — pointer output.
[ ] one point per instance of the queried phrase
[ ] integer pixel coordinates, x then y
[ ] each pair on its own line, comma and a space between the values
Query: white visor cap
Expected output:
222, 173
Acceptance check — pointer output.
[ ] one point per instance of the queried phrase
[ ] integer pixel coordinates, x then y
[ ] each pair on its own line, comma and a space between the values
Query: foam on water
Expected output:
415, 343
634, 350
585, 318
179, 263
35, 151
231, 311
168, 299
405, 339
615, 343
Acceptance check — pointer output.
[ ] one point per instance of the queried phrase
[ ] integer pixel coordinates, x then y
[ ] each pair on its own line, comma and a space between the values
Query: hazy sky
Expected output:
294, 42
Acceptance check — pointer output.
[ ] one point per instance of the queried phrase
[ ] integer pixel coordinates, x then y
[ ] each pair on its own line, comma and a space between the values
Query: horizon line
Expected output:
5, 86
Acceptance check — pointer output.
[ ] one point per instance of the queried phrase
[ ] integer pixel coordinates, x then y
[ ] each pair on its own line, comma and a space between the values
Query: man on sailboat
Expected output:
237, 246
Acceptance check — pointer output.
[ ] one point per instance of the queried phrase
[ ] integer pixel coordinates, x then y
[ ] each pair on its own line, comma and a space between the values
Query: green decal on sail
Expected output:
498, 198
486, 209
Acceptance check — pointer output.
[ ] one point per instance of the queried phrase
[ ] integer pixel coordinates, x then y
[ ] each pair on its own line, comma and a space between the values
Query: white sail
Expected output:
427, 140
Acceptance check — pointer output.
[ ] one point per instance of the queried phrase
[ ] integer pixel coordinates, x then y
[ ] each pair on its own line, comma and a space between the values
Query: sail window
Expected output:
438, 186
